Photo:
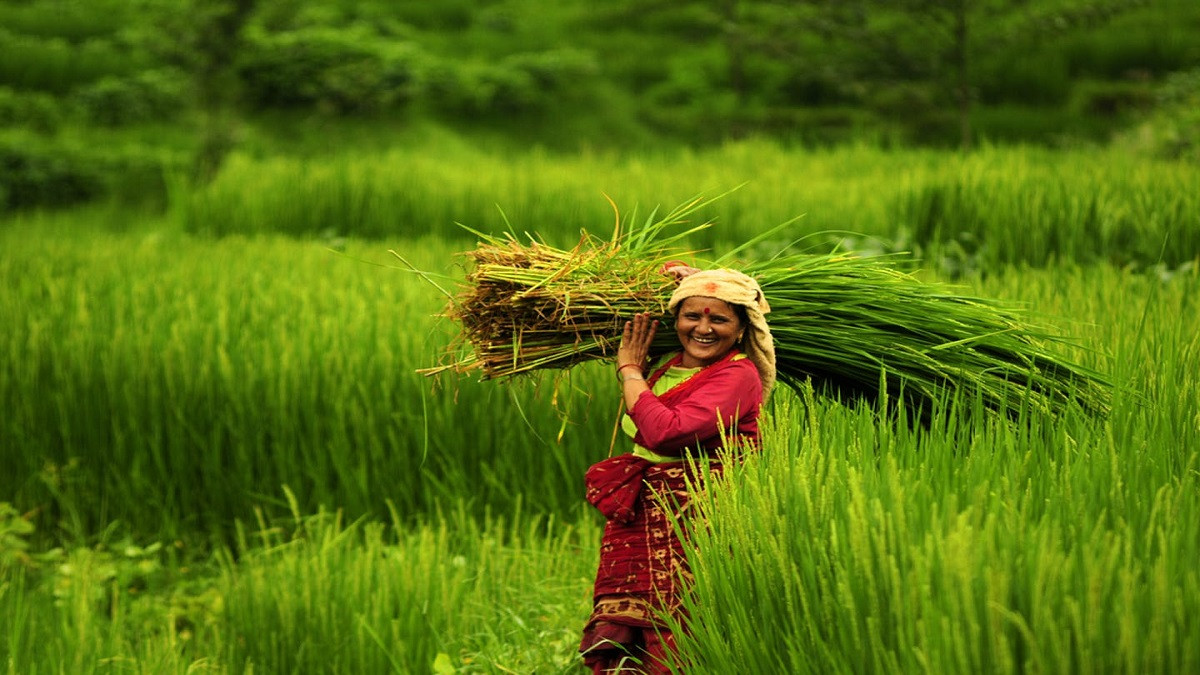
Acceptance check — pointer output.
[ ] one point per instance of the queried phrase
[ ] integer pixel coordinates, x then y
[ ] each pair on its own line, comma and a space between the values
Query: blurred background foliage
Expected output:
166, 87
193, 198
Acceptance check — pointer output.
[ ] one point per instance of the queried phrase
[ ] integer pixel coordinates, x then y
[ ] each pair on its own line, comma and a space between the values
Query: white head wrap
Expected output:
736, 288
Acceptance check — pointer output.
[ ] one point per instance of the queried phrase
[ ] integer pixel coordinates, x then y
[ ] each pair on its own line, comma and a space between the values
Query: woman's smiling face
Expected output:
707, 328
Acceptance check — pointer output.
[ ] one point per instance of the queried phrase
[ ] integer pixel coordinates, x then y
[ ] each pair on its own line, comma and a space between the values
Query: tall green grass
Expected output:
852, 546
1035, 208
68, 19
172, 384
503, 595
57, 65
431, 188
316, 594
866, 545
160, 385
993, 207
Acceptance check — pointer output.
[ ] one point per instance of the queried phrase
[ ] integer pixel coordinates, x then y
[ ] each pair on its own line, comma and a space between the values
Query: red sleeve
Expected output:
729, 395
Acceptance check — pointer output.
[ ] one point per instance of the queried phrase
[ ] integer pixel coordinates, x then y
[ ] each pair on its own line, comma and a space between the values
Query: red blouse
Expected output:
729, 399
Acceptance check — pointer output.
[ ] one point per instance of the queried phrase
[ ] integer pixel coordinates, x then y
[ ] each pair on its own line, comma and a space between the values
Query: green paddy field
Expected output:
219, 457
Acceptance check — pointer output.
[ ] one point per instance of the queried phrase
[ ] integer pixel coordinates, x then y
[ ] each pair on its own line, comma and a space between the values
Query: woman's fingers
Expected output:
647, 326
636, 338
643, 331
640, 326
677, 270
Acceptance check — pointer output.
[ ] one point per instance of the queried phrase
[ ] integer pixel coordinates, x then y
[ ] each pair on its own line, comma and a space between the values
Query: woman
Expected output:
679, 414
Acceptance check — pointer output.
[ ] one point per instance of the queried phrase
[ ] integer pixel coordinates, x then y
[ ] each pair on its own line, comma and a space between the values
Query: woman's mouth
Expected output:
704, 340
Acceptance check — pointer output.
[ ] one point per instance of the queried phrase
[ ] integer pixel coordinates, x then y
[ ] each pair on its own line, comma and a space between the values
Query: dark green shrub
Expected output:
498, 88
35, 172
147, 96
1053, 125
138, 174
519, 83
902, 99
1111, 99
554, 70
446, 15
41, 172
339, 71
33, 110
1123, 49
1037, 77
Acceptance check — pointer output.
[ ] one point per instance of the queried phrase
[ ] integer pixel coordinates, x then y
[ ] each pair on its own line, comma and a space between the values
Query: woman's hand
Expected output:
678, 269
635, 343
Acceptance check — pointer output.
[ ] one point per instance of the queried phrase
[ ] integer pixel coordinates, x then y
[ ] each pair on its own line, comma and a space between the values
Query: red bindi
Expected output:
706, 310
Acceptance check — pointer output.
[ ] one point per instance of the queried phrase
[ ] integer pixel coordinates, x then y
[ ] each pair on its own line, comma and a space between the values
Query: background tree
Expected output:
204, 37
940, 43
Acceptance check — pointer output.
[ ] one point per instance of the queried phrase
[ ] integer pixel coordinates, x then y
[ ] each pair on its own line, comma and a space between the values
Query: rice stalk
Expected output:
843, 322
852, 326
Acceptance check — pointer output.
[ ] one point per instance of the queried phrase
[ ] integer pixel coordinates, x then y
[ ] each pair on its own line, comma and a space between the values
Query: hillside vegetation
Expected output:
109, 99
220, 457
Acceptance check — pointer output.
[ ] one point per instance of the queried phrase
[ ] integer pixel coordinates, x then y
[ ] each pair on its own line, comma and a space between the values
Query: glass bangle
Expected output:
627, 365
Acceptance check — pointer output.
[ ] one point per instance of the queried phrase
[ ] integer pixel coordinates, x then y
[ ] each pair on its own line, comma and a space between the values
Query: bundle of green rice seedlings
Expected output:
852, 326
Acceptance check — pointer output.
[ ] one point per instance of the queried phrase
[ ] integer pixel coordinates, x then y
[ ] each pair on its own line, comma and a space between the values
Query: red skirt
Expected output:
623, 637
642, 567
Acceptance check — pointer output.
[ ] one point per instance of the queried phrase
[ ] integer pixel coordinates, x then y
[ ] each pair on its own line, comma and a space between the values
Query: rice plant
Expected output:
849, 546
161, 384
853, 325
964, 215
312, 593
175, 384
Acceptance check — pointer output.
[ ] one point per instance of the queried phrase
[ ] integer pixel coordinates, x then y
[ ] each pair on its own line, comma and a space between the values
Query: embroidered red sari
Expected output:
642, 565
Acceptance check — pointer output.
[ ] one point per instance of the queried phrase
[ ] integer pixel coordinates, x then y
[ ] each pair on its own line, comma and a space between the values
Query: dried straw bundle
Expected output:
850, 325
533, 306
